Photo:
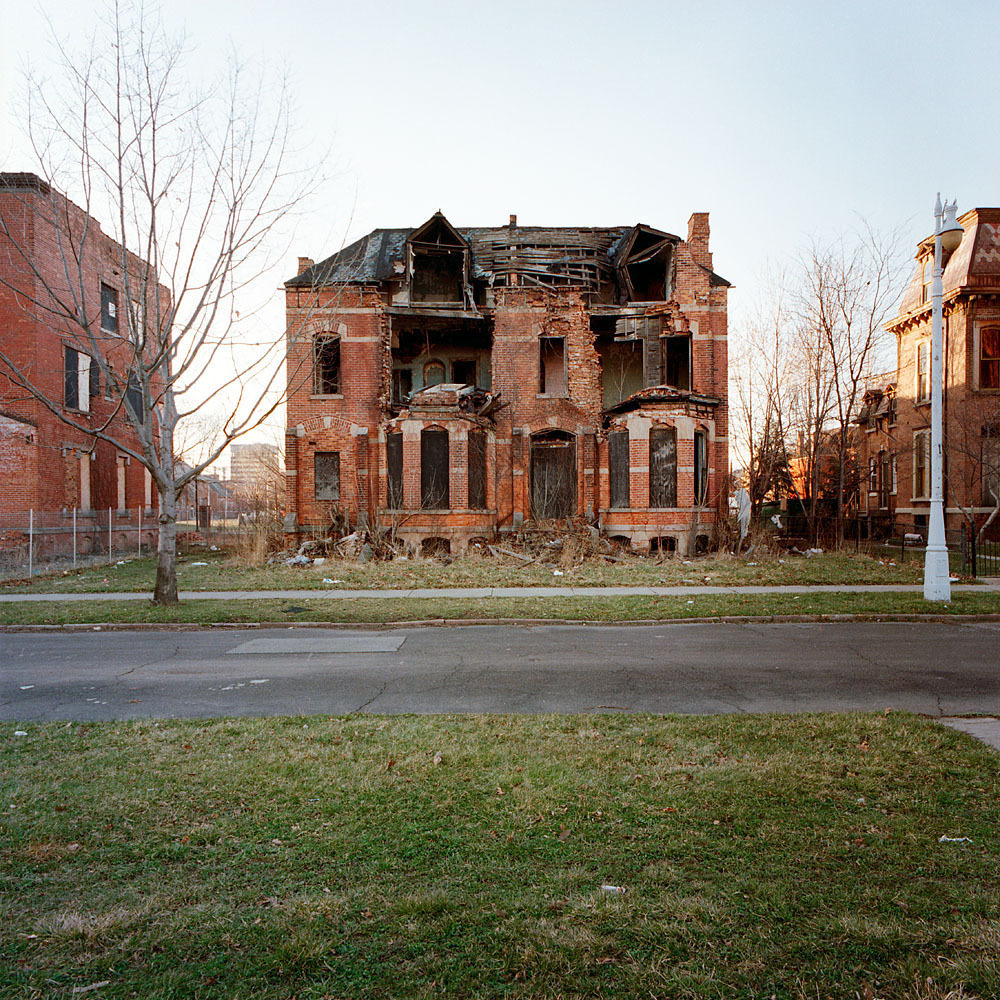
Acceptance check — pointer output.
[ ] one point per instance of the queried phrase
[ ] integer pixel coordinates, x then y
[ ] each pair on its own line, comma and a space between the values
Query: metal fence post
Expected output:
975, 554
109, 536
31, 539
74, 537
140, 531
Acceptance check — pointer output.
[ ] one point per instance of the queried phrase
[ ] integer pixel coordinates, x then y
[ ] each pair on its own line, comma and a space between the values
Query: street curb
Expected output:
933, 619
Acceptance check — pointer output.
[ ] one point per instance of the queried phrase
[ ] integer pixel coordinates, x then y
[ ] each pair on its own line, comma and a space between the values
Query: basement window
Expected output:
326, 365
676, 361
552, 366
326, 469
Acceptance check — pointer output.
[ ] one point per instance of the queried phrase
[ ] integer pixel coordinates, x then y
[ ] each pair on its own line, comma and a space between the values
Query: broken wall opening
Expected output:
553, 475
675, 351
552, 366
438, 276
461, 348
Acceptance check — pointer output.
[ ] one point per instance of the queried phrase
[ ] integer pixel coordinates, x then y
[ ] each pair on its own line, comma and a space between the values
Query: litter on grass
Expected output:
199, 564
954, 840
613, 890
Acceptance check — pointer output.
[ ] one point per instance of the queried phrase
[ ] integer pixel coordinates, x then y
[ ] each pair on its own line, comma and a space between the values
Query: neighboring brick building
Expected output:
451, 383
897, 410
45, 464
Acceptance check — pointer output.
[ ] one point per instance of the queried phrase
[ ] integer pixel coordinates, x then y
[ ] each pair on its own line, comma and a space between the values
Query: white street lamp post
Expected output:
937, 580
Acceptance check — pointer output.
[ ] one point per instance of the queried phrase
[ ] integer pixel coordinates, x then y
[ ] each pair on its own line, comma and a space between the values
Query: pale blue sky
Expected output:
783, 120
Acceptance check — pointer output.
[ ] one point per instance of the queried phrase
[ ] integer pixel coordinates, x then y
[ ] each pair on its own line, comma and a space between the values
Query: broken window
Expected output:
552, 365
326, 469
477, 470
700, 467
402, 384
463, 371
663, 467
433, 373
989, 358
676, 361
109, 309
394, 462
438, 276
77, 380
618, 469
326, 365
434, 493
553, 475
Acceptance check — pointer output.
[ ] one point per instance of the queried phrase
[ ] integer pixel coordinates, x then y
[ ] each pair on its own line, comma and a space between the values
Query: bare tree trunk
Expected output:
166, 551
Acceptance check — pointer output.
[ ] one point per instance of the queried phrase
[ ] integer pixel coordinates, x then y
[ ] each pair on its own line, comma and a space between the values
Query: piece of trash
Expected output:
121, 562
557, 572
27, 687
954, 840
20, 732
213, 548
690, 602
326, 579
92, 986
952, 577
437, 758
613, 890
781, 562
815, 552
861, 801
751, 564
776, 521
97, 628
199, 564
264, 681
319, 561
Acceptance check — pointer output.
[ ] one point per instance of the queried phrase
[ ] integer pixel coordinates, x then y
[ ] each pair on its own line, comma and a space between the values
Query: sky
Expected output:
785, 121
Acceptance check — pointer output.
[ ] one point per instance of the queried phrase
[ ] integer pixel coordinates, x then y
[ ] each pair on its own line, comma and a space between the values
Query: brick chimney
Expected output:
307, 262
697, 240
513, 221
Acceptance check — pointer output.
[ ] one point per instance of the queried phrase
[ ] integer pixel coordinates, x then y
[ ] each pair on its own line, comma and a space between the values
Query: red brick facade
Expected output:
42, 235
896, 419
510, 354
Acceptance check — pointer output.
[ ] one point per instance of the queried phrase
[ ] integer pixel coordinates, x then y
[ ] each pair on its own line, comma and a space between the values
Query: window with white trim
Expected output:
922, 389
921, 464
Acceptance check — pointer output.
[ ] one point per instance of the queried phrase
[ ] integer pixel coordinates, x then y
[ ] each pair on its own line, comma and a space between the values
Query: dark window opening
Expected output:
700, 467
621, 370
326, 366
553, 475
464, 372
71, 396
662, 543
477, 470
438, 276
431, 547
326, 467
133, 396
78, 384
552, 365
989, 358
663, 467
434, 492
109, 309
618, 469
394, 461
676, 361
402, 384
95, 378
701, 545
649, 279
991, 464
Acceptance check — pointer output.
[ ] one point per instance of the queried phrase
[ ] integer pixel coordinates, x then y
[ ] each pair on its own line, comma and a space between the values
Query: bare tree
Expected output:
194, 183
973, 480
847, 292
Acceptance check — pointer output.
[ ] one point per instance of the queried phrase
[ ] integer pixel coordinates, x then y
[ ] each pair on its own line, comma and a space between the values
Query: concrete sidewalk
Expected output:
993, 586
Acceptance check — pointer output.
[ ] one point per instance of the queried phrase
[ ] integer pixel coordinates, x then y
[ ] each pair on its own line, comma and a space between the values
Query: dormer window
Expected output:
439, 264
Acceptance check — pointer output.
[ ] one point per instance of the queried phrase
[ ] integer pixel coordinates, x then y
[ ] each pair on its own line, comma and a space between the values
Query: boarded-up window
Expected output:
553, 475
477, 470
552, 365
676, 364
327, 472
434, 469
618, 468
394, 461
326, 366
663, 467
700, 467
78, 386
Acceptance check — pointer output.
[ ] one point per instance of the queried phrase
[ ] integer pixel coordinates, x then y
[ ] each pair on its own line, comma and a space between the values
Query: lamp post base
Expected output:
937, 579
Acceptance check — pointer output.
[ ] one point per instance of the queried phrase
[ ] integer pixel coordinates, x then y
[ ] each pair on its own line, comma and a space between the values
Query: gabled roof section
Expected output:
438, 231
641, 243
368, 260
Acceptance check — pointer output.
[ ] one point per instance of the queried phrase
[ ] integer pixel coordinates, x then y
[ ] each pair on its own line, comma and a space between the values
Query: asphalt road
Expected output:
937, 669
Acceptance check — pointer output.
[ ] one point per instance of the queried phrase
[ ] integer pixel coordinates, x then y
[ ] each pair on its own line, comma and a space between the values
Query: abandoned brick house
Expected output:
451, 384
895, 450
45, 464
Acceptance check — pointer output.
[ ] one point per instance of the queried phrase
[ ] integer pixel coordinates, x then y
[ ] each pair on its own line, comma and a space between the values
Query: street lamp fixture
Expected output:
937, 579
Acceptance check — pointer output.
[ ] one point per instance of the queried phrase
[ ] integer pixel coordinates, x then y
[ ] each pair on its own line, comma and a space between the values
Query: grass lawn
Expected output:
603, 609
224, 572
371, 857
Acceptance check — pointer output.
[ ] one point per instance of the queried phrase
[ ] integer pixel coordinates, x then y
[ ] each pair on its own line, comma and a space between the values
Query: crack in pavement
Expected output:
378, 694
149, 663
